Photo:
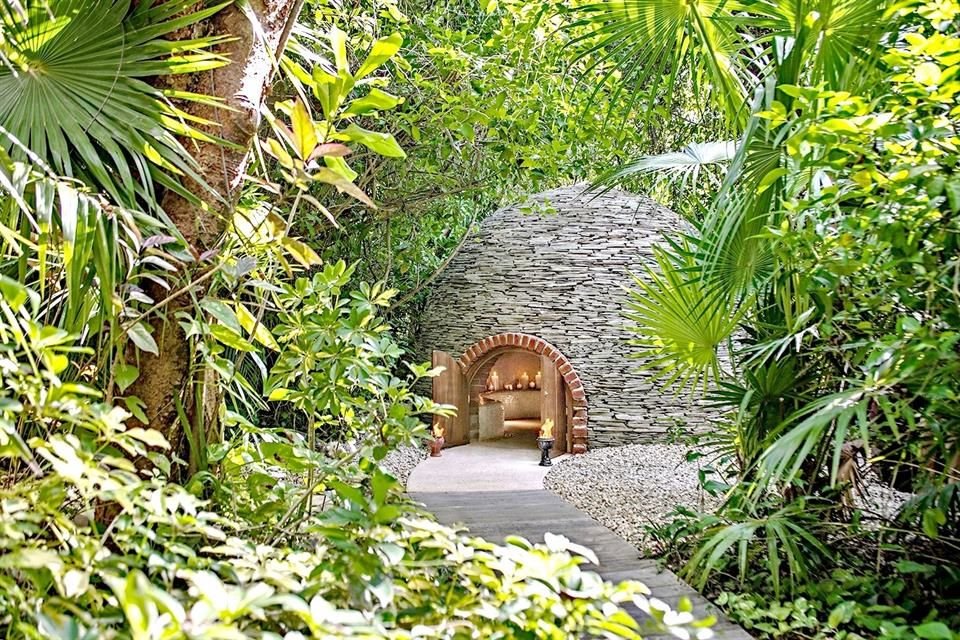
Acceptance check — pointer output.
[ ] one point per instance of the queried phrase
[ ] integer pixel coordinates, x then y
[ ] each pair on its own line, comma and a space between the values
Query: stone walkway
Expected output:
495, 490
497, 465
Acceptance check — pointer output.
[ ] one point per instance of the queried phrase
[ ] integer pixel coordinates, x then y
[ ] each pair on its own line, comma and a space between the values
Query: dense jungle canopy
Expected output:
219, 222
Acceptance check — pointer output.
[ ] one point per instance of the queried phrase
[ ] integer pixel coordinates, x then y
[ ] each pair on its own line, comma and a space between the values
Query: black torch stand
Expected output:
545, 445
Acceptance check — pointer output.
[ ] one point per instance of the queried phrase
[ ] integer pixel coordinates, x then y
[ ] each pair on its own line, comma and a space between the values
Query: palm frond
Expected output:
680, 327
781, 536
72, 89
639, 43
812, 440
682, 168
836, 40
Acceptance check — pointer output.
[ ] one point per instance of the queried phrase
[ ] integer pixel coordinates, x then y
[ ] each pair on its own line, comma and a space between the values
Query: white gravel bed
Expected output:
631, 487
627, 488
401, 461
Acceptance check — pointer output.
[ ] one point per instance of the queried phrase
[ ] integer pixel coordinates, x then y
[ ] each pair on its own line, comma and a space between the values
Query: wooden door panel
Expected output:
553, 404
450, 387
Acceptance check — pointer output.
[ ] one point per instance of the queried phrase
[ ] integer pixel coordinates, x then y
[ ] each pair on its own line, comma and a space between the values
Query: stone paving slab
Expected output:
494, 465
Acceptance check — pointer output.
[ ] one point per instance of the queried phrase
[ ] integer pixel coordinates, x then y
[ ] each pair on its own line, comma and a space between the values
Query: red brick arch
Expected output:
475, 355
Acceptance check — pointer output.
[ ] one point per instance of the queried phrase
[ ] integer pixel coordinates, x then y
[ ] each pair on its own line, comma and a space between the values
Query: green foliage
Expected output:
270, 532
246, 563
830, 253
73, 95
679, 326
488, 114
673, 42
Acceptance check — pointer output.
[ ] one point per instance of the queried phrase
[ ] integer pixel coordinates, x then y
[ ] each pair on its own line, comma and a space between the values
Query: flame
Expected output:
546, 430
438, 429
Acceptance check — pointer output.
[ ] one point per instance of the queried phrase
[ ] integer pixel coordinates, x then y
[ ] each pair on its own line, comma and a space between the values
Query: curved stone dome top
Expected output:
562, 277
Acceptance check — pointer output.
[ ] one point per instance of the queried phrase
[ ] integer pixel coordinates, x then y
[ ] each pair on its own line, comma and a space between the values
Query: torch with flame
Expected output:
438, 429
546, 429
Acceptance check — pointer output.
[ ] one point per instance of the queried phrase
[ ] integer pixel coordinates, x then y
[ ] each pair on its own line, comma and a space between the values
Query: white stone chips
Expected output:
627, 488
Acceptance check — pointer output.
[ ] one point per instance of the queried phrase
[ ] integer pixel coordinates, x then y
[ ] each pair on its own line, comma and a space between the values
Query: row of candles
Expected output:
546, 429
523, 382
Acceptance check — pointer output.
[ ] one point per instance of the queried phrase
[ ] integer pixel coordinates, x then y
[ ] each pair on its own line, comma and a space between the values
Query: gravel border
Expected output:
401, 462
631, 487
627, 488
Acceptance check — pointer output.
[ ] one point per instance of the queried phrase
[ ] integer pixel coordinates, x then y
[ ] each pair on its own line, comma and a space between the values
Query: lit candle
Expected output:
546, 430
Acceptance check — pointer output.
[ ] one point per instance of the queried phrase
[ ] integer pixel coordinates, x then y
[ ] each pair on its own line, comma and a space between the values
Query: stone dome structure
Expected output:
554, 284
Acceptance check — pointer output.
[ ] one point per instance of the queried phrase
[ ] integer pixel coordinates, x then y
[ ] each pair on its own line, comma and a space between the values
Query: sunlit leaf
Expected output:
141, 337
382, 50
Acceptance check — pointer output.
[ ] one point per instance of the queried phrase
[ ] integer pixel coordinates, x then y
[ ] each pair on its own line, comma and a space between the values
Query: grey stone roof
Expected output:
562, 277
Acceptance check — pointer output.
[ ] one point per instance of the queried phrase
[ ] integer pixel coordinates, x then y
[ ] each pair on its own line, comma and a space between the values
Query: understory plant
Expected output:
98, 543
814, 302
193, 517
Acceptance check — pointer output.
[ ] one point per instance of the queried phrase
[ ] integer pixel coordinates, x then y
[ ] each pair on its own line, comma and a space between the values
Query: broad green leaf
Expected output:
142, 338
376, 100
340, 167
338, 43
279, 394
382, 143
125, 375
260, 332
933, 519
136, 406
301, 252
933, 631
329, 90
382, 50
347, 492
222, 312
13, 292
275, 149
770, 178
927, 73
230, 338
842, 613
842, 125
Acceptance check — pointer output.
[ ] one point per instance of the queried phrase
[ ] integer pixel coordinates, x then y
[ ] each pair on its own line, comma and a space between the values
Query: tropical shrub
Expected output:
117, 523
248, 561
816, 302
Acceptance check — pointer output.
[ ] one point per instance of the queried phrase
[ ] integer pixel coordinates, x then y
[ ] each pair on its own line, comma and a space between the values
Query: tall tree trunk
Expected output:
172, 385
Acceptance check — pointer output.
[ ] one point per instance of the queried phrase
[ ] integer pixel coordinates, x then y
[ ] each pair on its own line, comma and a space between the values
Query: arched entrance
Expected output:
463, 384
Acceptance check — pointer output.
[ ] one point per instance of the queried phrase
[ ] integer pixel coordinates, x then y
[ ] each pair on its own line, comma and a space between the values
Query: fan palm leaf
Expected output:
641, 42
72, 89
680, 329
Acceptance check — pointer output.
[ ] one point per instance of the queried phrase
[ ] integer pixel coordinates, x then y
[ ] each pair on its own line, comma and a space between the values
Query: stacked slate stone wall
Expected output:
562, 277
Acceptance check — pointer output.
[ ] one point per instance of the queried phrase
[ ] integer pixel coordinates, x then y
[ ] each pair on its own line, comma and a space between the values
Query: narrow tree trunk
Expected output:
168, 382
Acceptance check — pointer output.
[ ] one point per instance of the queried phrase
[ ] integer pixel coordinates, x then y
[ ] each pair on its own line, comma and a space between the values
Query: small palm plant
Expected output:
76, 97
839, 186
